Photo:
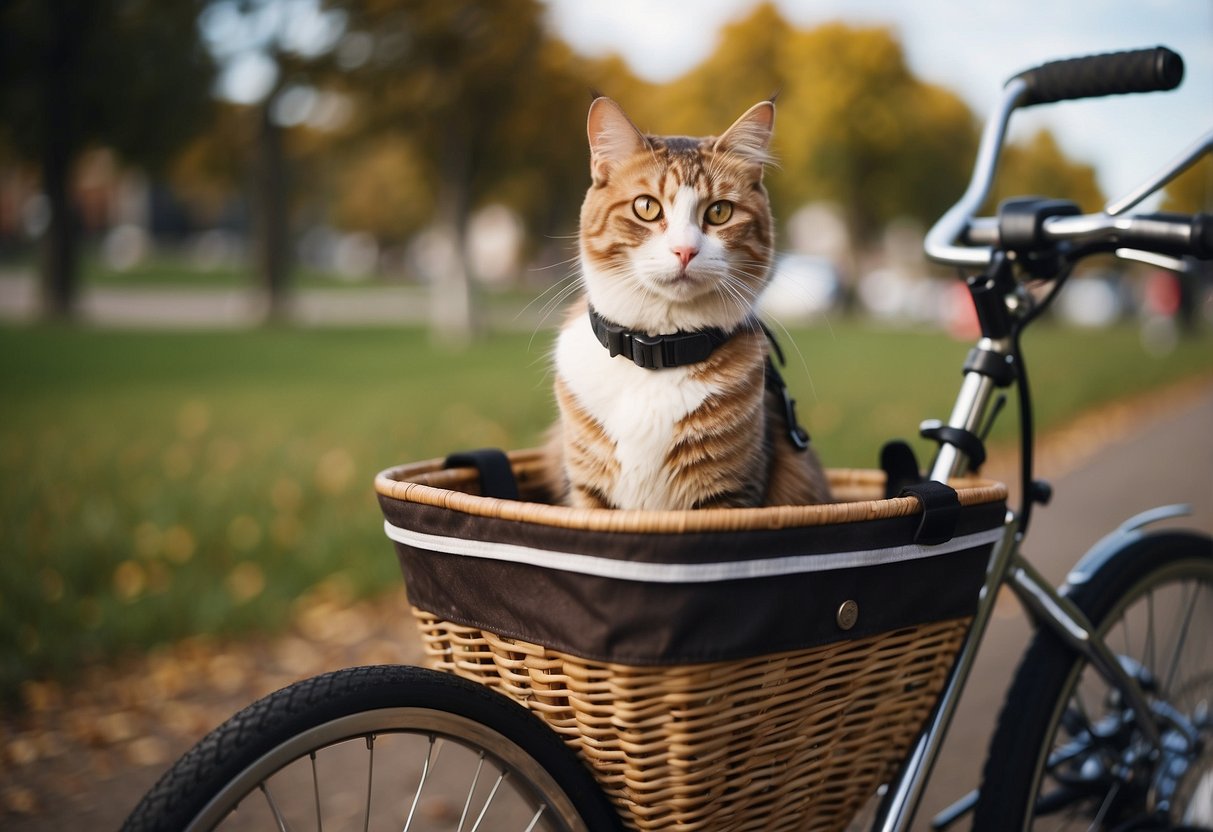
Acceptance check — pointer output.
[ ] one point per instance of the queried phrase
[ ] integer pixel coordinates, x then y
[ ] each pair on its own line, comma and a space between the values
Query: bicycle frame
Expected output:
1046, 606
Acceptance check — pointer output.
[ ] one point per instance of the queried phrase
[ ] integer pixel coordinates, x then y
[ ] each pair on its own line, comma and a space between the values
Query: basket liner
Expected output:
664, 588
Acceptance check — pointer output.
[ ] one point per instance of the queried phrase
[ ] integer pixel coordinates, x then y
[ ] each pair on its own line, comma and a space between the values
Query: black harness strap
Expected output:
655, 352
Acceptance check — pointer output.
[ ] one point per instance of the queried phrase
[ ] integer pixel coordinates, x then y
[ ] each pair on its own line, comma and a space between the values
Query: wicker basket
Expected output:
791, 724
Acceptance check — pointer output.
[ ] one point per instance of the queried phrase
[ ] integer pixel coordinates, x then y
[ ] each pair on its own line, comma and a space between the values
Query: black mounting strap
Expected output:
900, 467
996, 366
1021, 221
966, 441
496, 473
940, 511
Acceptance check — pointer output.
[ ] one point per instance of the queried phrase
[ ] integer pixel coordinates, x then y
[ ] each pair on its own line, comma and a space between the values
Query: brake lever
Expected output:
1162, 261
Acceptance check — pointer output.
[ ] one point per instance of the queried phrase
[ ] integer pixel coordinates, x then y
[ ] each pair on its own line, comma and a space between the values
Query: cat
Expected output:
676, 239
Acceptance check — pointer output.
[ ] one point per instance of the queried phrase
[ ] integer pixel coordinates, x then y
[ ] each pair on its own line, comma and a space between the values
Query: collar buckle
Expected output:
643, 350
646, 350
656, 352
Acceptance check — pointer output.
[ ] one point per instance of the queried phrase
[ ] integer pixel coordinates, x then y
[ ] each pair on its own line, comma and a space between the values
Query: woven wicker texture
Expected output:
797, 740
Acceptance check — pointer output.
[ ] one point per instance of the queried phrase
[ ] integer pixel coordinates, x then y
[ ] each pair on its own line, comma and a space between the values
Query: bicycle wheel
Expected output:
374, 748
1067, 753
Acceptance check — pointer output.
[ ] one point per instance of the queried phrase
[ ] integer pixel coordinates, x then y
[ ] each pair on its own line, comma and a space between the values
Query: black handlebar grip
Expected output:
1202, 236
1113, 73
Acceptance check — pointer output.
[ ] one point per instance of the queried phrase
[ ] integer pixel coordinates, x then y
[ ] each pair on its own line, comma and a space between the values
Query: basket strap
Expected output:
900, 467
496, 473
940, 511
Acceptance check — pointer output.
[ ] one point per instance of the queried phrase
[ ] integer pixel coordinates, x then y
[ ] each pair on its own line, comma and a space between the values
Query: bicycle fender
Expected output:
1113, 543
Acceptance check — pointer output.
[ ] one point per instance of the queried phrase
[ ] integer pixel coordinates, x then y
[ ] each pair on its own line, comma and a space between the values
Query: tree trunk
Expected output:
272, 246
451, 294
60, 260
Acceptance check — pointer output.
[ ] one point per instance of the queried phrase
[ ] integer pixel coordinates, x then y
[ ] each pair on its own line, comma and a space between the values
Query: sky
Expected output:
971, 47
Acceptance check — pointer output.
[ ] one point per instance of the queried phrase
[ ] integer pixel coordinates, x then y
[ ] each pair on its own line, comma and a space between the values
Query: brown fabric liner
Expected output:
681, 547
658, 624
612, 620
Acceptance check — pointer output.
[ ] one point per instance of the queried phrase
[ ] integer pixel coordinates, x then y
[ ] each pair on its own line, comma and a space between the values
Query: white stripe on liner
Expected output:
670, 573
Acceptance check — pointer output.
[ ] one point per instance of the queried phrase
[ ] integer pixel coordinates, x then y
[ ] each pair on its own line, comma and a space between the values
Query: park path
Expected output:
185, 307
1105, 468
81, 757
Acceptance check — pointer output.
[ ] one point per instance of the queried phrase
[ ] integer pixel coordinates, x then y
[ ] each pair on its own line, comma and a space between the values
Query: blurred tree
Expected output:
543, 145
383, 187
853, 125
1192, 190
276, 44
213, 166
746, 66
474, 88
129, 74
1039, 167
480, 96
861, 130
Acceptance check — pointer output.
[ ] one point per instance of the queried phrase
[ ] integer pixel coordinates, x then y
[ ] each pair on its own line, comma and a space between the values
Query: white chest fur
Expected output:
637, 408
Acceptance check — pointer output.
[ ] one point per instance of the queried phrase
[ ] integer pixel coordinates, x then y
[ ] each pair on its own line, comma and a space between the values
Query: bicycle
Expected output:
1108, 722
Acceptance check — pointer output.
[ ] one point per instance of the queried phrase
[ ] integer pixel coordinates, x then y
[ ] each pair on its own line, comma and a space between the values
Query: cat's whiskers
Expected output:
787, 338
748, 295
557, 288
731, 289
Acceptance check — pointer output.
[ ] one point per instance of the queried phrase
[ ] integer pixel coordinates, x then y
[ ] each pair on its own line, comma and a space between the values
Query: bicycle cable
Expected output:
1029, 491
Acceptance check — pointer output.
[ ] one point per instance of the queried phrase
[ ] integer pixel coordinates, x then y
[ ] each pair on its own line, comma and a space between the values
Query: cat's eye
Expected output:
647, 208
719, 212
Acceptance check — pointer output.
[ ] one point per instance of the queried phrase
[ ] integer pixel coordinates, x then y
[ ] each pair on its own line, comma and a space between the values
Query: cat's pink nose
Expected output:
685, 253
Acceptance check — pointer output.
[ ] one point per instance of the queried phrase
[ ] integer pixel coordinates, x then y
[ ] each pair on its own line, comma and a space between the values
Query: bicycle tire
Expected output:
1026, 780
336, 723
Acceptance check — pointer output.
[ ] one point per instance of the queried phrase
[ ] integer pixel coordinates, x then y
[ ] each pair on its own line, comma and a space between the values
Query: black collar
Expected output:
653, 352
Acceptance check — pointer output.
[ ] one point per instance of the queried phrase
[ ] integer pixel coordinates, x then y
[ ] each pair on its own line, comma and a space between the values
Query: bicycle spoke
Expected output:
425, 771
468, 802
1104, 807
1084, 714
531, 826
1124, 629
1181, 641
370, 779
1148, 654
489, 801
278, 818
316, 792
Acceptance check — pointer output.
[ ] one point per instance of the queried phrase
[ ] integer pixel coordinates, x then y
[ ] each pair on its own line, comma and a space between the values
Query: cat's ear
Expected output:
750, 135
613, 137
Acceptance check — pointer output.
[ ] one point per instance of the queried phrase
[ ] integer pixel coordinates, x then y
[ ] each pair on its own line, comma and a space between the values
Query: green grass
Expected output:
158, 485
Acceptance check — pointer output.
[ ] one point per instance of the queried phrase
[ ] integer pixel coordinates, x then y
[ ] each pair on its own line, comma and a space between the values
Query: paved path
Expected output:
83, 758
180, 307
1167, 459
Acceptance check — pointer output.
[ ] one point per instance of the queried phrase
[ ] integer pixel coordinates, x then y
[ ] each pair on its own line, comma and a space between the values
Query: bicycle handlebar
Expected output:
1163, 233
1113, 73
960, 238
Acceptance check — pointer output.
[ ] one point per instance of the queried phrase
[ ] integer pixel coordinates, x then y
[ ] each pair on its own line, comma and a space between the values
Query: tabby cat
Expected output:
662, 376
